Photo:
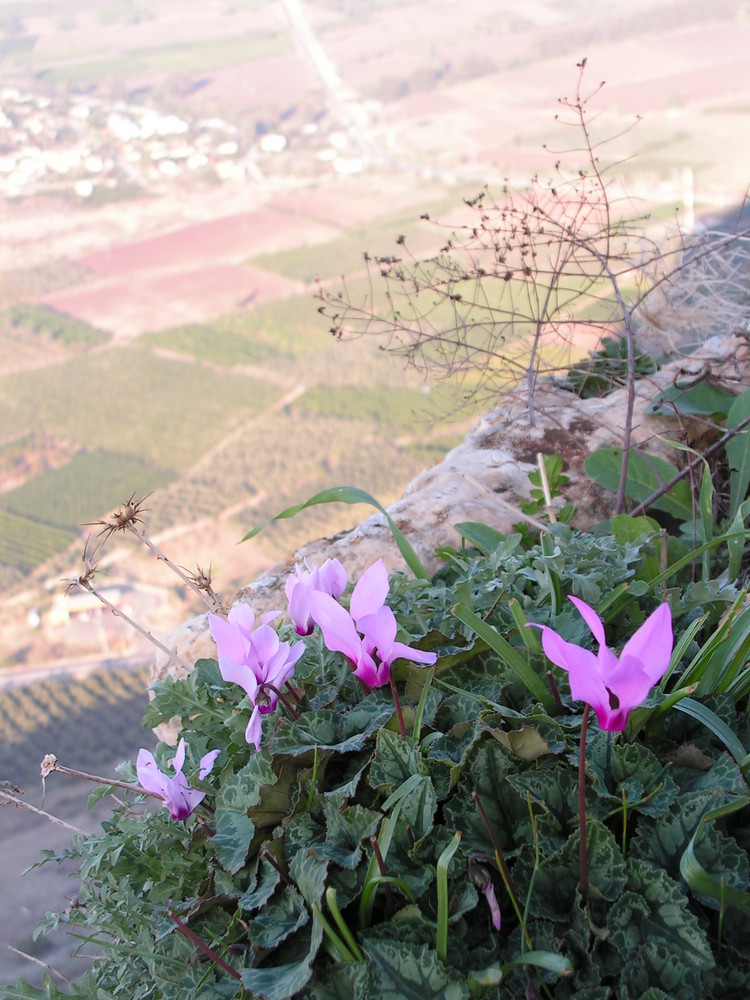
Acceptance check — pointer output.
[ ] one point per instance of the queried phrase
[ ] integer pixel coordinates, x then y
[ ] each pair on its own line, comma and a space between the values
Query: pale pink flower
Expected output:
330, 578
254, 658
177, 794
613, 687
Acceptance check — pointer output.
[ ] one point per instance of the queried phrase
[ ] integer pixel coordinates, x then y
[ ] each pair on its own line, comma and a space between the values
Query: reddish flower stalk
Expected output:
275, 864
582, 805
502, 865
399, 712
293, 714
192, 936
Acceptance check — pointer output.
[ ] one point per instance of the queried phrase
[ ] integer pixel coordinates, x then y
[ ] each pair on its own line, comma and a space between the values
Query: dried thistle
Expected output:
89, 569
126, 517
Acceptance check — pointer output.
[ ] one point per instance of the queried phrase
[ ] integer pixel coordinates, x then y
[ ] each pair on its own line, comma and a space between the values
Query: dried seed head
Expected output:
89, 569
126, 517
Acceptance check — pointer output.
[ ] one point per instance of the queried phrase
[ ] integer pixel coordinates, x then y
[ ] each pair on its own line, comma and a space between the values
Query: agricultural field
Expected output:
26, 543
50, 324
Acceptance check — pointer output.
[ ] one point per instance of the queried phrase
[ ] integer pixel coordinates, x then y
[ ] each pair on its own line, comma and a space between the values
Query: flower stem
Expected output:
50, 764
582, 805
275, 864
399, 712
502, 866
192, 936
293, 714
555, 692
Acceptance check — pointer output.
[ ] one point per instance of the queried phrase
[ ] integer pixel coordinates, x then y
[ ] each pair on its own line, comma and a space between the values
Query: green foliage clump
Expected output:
41, 319
353, 856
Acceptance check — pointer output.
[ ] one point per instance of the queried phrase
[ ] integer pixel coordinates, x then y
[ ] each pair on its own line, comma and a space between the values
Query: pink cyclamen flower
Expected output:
330, 578
613, 687
254, 658
366, 634
177, 794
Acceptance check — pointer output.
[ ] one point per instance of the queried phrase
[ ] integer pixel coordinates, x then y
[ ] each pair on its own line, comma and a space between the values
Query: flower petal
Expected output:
254, 730
339, 632
229, 640
370, 592
150, 777
652, 643
591, 618
207, 762
179, 757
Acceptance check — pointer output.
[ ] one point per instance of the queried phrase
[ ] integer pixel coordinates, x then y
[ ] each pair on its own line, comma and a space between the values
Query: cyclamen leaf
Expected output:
278, 919
631, 768
658, 940
262, 889
279, 982
396, 759
346, 828
412, 972
234, 827
345, 981
327, 729
662, 842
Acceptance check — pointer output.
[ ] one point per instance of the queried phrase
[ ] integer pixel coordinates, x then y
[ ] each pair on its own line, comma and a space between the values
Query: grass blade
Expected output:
510, 656
351, 495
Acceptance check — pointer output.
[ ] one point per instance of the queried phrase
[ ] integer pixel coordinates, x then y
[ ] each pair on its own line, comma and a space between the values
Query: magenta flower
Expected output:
177, 794
254, 658
330, 578
366, 634
613, 687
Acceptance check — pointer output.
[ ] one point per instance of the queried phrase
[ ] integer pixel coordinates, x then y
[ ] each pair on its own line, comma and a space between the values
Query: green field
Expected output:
88, 487
24, 710
271, 333
346, 254
26, 544
44, 320
382, 407
125, 400
196, 57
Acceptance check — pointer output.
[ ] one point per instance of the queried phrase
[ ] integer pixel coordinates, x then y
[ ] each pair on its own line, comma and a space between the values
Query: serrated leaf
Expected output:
412, 972
328, 729
630, 768
346, 827
663, 841
262, 887
279, 982
485, 773
714, 865
278, 919
309, 873
658, 939
345, 981
396, 759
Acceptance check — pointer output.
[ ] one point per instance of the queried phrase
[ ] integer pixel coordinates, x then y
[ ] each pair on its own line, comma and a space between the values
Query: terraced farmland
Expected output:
26, 544
89, 486
126, 400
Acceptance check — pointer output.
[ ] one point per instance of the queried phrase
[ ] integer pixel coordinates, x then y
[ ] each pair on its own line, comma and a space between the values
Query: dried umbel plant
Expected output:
530, 277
